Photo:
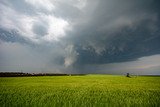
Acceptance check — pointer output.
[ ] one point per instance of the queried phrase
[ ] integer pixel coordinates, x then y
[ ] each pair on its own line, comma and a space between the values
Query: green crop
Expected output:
80, 91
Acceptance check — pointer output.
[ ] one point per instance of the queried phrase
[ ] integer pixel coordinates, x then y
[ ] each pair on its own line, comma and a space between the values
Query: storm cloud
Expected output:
80, 36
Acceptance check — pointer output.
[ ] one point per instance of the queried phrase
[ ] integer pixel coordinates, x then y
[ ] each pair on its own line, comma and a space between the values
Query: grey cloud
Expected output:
116, 31
144, 65
40, 29
66, 10
17, 57
20, 6
103, 32
14, 36
24, 7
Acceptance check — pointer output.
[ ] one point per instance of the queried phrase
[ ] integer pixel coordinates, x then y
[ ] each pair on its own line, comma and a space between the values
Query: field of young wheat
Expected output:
79, 91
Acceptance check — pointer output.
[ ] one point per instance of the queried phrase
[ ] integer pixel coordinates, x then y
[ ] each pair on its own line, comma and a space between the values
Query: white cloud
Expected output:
23, 23
56, 28
13, 20
42, 4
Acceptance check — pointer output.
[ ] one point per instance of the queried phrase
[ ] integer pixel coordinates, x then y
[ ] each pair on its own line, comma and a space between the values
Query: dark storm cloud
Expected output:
80, 36
118, 31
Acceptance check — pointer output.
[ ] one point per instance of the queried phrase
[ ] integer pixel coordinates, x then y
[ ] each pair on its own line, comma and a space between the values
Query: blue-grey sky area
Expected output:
80, 36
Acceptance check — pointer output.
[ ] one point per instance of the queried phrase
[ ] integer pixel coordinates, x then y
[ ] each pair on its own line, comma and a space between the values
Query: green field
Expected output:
80, 91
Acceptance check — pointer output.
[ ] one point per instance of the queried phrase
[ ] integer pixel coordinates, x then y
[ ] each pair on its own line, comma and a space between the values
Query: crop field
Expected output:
80, 91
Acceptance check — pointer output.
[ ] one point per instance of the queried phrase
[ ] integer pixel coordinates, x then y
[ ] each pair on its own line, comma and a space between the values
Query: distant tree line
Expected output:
21, 74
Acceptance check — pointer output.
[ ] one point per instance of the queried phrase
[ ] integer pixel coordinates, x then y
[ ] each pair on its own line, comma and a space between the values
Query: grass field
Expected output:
80, 91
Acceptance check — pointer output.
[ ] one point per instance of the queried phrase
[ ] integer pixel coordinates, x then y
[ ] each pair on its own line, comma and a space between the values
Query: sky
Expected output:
80, 36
